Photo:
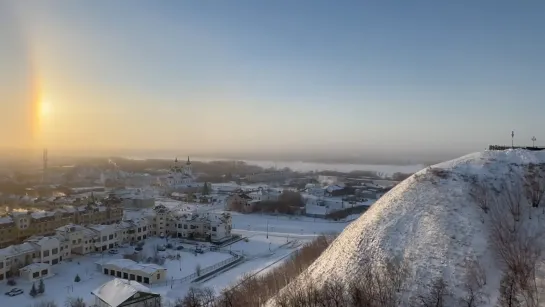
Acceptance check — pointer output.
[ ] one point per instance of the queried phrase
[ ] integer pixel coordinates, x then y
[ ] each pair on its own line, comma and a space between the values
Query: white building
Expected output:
80, 239
35, 271
14, 257
147, 273
180, 178
133, 230
118, 292
48, 249
107, 237
203, 226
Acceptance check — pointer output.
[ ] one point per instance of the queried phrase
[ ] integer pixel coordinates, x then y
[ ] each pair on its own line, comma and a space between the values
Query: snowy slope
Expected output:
431, 222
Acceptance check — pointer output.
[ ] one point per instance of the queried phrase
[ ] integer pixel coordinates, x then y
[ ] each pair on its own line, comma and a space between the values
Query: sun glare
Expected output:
45, 108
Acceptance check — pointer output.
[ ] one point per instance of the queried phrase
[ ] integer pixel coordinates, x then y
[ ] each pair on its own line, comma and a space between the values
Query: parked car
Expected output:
113, 251
14, 292
138, 248
161, 248
198, 250
180, 247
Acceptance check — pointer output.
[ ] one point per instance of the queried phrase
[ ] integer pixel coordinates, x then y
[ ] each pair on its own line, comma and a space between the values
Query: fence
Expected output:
203, 271
502, 147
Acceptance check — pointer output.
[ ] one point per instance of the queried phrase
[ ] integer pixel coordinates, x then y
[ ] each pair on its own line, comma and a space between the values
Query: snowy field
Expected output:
285, 235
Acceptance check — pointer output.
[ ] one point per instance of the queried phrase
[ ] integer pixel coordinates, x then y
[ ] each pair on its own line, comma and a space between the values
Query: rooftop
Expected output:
117, 291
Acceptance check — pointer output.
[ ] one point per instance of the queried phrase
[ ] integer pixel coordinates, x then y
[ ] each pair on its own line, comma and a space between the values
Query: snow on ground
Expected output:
286, 235
431, 222
62, 285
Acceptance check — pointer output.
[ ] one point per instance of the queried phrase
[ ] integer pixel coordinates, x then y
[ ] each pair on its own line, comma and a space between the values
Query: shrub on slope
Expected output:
460, 227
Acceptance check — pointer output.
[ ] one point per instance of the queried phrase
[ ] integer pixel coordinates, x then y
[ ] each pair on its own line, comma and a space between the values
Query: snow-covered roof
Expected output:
18, 249
35, 267
127, 264
117, 291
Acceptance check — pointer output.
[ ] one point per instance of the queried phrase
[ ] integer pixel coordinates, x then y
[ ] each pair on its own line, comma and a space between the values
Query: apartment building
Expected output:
106, 237
133, 230
79, 240
18, 226
204, 226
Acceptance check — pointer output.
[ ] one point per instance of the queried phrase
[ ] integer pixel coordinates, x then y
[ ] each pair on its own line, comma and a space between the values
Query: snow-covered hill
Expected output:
435, 223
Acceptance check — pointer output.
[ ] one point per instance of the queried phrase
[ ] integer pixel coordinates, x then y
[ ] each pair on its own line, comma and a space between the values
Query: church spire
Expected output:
188, 162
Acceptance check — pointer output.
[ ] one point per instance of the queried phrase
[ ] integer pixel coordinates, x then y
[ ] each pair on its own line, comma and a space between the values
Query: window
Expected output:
132, 276
158, 276
126, 275
46, 253
104, 238
213, 228
185, 226
79, 241
1, 265
144, 228
118, 274
112, 272
45, 272
55, 261
55, 251
139, 278
146, 280
111, 237
35, 274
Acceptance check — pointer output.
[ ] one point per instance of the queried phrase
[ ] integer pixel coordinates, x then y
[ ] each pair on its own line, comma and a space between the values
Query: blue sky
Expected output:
352, 76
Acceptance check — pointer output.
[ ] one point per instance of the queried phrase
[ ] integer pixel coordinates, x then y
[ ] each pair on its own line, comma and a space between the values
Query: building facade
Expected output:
18, 226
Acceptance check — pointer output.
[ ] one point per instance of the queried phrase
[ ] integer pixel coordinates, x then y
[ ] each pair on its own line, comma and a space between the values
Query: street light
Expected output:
534, 141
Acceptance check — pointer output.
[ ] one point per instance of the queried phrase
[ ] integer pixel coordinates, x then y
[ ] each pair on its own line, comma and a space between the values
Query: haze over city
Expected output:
388, 80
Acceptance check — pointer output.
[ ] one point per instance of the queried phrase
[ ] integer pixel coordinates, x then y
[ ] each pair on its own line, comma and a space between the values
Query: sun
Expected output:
46, 108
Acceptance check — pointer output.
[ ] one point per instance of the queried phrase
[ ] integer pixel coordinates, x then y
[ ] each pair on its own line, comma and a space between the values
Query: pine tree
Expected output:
77, 279
41, 287
33, 291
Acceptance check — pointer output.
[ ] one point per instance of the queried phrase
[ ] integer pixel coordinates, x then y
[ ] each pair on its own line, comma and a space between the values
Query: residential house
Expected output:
133, 230
14, 257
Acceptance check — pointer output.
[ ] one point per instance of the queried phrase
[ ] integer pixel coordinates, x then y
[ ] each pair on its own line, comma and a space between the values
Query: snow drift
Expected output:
444, 218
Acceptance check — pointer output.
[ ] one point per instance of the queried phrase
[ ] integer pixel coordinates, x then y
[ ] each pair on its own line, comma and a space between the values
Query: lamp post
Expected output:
267, 228
534, 141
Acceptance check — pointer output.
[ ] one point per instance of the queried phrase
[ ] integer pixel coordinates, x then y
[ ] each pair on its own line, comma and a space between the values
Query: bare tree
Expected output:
481, 193
74, 302
475, 281
436, 296
45, 304
196, 297
534, 184
509, 292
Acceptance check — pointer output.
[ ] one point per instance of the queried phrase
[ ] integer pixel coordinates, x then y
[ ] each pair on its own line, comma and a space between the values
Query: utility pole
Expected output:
534, 141
267, 228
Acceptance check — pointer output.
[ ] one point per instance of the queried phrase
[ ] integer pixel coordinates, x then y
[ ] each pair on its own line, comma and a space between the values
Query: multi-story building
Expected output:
80, 239
48, 249
18, 226
8, 232
206, 226
106, 237
133, 230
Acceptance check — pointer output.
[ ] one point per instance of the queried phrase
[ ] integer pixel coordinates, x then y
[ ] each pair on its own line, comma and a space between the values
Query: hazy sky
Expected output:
225, 76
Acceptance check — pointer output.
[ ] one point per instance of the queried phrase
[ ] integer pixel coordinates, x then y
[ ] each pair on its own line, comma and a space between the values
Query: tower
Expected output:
187, 167
45, 160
